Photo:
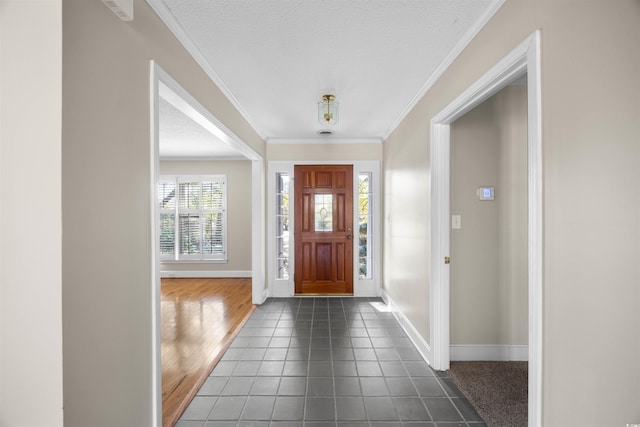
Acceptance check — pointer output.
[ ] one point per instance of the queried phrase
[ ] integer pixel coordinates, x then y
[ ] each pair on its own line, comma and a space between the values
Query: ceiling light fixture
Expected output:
328, 110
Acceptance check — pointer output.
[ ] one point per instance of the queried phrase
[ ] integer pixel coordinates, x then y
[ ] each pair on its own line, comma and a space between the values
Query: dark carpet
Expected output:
497, 390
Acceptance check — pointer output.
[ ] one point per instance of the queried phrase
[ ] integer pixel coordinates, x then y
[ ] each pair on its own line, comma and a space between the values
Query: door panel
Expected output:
323, 229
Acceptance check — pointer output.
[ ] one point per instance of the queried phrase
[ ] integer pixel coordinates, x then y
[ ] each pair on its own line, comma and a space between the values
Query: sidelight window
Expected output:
365, 203
282, 225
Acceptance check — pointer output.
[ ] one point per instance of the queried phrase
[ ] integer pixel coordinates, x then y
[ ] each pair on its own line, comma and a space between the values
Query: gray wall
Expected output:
590, 64
511, 113
106, 204
489, 302
238, 174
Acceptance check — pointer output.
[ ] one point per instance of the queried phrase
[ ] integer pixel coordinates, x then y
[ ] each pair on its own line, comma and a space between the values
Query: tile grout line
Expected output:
333, 312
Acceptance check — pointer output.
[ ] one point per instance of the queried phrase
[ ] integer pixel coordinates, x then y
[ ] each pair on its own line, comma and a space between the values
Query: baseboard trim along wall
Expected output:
421, 345
205, 274
501, 353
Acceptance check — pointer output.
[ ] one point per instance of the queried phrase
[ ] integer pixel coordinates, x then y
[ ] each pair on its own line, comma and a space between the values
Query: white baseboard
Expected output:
264, 296
421, 345
500, 353
205, 274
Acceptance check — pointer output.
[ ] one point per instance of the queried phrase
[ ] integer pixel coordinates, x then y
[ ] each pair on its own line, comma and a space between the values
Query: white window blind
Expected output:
192, 217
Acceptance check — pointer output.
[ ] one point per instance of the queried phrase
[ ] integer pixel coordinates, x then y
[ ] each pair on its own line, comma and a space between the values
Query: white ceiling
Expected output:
182, 138
274, 59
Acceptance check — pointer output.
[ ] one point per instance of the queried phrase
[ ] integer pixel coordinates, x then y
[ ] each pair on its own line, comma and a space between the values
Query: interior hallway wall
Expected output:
511, 111
590, 64
106, 204
474, 269
489, 301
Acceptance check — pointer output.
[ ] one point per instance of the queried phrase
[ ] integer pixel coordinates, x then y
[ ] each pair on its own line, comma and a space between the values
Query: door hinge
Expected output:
447, 260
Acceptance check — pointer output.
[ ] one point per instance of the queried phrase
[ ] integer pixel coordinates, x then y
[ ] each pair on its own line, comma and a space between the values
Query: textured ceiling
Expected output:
180, 137
275, 58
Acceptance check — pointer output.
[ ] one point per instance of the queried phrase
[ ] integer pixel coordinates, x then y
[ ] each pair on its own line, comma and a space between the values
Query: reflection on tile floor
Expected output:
326, 362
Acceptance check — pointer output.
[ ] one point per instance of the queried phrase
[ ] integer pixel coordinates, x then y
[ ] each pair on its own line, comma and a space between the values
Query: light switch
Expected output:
456, 222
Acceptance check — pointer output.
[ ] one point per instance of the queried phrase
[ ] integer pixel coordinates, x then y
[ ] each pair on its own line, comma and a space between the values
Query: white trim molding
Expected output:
205, 274
156, 74
324, 141
258, 224
421, 345
502, 353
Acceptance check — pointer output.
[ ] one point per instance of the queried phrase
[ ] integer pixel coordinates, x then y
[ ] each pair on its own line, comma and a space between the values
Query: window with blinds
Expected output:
192, 217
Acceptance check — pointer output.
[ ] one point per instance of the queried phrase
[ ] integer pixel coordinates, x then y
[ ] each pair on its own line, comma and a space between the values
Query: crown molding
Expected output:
322, 141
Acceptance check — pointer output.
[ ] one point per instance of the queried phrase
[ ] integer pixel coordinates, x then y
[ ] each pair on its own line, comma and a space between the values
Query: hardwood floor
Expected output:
199, 319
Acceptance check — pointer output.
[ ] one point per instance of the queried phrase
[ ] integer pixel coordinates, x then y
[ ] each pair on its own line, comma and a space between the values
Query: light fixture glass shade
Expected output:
328, 110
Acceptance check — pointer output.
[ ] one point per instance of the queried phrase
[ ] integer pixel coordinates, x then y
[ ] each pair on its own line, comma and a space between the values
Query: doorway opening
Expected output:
524, 59
166, 91
366, 251
488, 286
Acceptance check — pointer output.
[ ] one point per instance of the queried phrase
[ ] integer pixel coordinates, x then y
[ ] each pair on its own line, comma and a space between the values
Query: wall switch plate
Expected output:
456, 222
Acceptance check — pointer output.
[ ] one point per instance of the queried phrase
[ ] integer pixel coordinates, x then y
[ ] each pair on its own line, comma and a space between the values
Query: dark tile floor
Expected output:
326, 362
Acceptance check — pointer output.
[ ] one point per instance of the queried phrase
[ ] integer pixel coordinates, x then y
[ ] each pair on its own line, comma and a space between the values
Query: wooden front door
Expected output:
323, 229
